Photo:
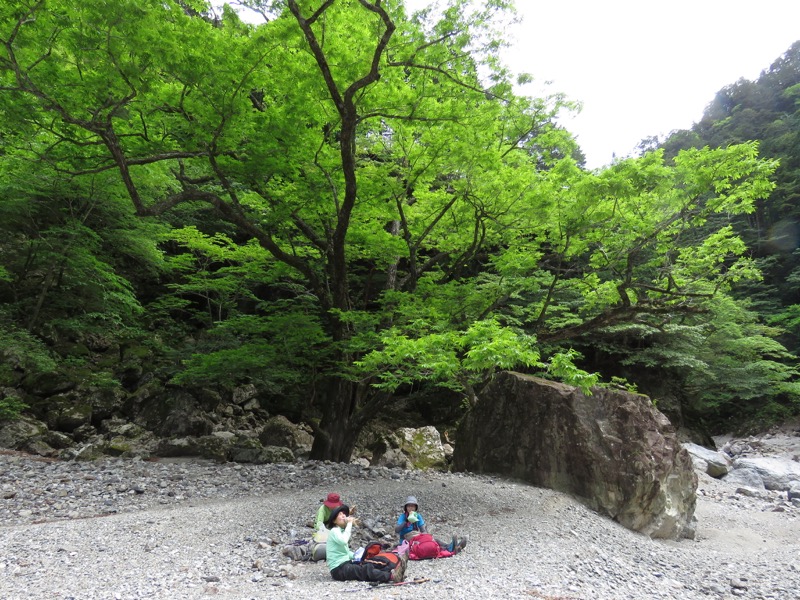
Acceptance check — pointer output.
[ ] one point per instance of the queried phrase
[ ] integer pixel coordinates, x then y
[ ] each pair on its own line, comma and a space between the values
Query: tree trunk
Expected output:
335, 438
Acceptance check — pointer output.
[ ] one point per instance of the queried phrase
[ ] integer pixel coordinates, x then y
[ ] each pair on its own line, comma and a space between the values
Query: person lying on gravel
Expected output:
383, 568
411, 527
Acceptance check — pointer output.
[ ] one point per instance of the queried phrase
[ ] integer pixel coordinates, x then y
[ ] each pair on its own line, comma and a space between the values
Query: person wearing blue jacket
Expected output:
411, 522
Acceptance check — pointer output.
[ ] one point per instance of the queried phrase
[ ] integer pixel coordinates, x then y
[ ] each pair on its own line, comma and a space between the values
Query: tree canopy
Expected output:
341, 201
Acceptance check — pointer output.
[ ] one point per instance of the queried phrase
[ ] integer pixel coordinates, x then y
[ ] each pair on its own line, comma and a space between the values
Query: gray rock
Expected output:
777, 473
423, 446
745, 477
280, 431
613, 449
21, 433
716, 464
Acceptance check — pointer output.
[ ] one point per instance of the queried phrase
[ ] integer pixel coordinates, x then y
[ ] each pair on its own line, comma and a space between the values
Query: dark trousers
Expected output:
361, 571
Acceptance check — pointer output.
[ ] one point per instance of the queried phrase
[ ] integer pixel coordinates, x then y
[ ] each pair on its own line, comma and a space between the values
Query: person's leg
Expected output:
449, 546
456, 545
318, 551
363, 571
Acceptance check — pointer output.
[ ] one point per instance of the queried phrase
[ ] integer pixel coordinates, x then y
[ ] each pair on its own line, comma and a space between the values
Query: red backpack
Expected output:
423, 546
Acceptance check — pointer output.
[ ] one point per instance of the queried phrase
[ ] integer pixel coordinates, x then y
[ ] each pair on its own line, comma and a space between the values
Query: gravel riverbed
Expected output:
131, 529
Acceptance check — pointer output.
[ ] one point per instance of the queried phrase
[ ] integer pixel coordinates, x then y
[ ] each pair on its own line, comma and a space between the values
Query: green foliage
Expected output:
344, 194
623, 384
280, 352
730, 365
765, 110
215, 274
20, 352
23, 351
10, 406
454, 359
562, 366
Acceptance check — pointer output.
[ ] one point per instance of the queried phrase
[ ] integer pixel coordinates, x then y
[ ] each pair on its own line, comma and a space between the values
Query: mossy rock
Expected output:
118, 446
47, 384
245, 450
274, 454
16, 434
423, 446
214, 447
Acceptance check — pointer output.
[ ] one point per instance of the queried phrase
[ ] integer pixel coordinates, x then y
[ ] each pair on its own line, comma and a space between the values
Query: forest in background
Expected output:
346, 204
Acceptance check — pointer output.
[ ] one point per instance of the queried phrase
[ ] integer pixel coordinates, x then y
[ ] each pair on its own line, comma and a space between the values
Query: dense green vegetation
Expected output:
766, 110
346, 202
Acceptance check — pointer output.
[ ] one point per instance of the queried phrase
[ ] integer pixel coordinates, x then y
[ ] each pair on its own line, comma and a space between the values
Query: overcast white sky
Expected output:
645, 67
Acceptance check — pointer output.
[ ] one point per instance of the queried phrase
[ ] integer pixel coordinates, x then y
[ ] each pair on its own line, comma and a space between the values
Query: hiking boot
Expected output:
399, 572
461, 544
293, 552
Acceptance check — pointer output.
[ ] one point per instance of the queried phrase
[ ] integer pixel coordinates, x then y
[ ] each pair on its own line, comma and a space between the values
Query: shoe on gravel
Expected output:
461, 544
399, 572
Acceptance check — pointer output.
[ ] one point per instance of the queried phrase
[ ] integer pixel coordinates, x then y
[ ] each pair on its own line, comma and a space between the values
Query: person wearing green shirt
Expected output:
320, 538
340, 558
324, 512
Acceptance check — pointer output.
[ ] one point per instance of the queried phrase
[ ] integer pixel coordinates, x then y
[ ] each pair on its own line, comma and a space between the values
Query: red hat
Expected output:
333, 501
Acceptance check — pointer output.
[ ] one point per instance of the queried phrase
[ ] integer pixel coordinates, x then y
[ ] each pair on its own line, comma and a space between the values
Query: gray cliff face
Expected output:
612, 449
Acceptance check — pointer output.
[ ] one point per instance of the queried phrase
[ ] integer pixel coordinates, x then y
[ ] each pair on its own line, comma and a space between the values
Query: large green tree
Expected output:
419, 219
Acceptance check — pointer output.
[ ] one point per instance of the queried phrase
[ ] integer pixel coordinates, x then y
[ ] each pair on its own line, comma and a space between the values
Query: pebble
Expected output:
131, 529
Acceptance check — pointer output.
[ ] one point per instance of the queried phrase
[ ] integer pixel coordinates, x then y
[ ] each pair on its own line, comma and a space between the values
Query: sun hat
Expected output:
342, 508
332, 501
411, 500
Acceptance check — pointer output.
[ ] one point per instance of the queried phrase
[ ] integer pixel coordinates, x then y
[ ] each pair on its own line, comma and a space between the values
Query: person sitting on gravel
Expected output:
411, 527
324, 512
320, 537
340, 558
315, 549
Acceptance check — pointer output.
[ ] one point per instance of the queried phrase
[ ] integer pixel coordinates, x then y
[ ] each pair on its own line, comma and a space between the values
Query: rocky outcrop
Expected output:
281, 432
404, 448
26, 434
613, 449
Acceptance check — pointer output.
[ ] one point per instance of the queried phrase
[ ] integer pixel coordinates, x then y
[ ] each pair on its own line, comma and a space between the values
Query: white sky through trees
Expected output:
640, 67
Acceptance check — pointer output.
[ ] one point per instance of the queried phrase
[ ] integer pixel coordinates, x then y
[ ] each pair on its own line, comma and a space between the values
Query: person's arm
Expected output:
342, 536
402, 523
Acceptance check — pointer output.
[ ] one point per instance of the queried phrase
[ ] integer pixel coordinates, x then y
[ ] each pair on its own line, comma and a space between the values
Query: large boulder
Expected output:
26, 434
613, 449
68, 412
423, 447
169, 412
403, 448
775, 472
280, 431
